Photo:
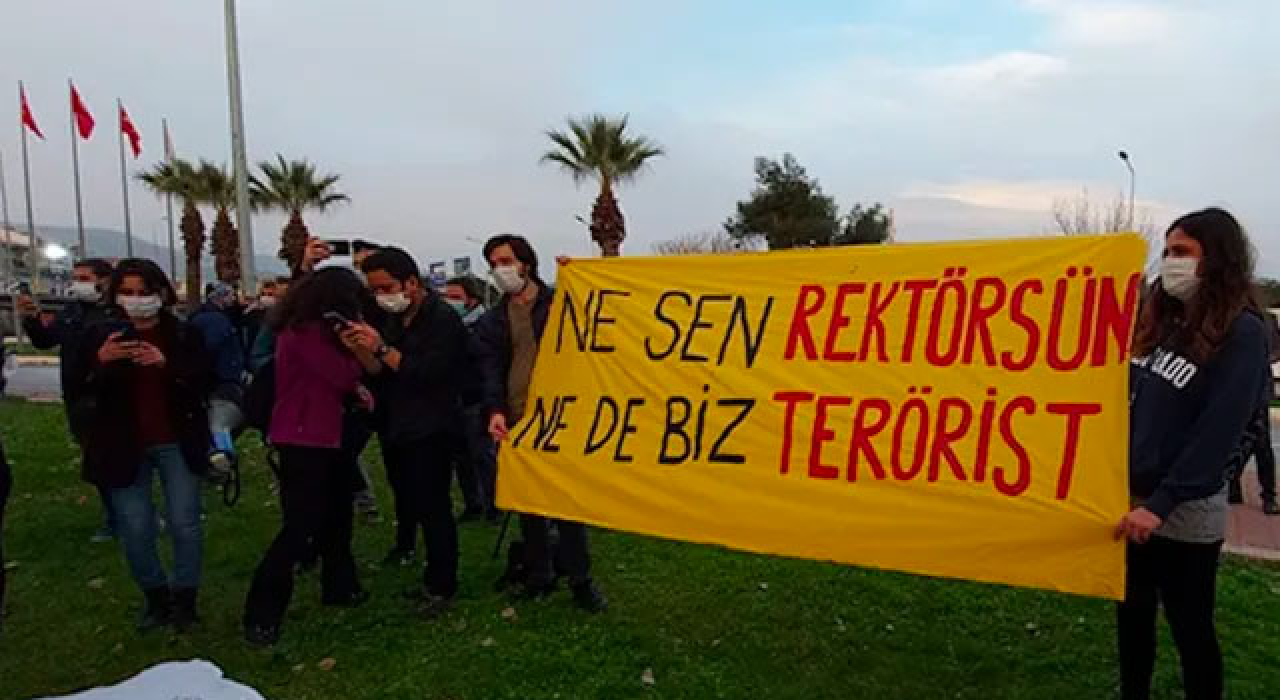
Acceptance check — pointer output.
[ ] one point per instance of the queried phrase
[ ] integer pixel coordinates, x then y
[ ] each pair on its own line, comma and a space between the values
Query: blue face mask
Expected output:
458, 306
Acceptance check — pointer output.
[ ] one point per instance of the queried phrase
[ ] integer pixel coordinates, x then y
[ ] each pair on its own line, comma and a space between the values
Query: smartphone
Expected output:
340, 248
337, 319
124, 328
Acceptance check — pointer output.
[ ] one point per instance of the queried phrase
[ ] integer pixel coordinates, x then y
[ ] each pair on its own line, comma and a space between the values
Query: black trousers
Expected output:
6, 484
421, 474
573, 552
1182, 577
315, 501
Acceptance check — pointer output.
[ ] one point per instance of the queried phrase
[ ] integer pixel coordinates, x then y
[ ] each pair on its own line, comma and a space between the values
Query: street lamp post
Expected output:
241, 162
1133, 179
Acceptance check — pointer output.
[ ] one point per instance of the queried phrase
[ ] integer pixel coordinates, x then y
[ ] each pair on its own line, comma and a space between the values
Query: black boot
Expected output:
157, 610
184, 609
588, 597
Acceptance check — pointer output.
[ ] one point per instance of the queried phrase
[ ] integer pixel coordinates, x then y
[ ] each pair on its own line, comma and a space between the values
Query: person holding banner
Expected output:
506, 341
1199, 376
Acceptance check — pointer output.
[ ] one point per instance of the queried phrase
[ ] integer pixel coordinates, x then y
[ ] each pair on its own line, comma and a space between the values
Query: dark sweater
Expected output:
1186, 420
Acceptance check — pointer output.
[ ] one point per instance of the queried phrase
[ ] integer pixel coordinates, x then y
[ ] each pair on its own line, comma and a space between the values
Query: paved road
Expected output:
34, 383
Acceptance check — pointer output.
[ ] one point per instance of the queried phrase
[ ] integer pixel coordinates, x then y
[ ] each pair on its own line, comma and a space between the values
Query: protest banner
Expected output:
956, 409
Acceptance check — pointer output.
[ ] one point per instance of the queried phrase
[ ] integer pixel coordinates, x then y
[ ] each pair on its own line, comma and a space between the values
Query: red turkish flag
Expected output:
28, 119
84, 120
126, 126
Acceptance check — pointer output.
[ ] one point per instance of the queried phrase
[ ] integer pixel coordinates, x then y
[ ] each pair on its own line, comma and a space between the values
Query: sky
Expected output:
968, 119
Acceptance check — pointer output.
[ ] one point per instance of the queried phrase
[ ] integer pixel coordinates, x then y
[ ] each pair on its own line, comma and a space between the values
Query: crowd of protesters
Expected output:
321, 361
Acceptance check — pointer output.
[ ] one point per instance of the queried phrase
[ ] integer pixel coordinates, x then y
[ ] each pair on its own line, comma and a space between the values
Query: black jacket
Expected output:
112, 451
66, 333
491, 343
1188, 420
421, 399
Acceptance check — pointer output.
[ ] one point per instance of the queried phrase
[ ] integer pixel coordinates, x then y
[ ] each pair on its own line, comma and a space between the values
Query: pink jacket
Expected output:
314, 378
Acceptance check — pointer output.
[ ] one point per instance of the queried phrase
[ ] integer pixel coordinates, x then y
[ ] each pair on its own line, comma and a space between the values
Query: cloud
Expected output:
1000, 72
1101, 23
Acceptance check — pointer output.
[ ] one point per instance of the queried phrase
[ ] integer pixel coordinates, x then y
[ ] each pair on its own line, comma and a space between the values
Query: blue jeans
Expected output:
137, 520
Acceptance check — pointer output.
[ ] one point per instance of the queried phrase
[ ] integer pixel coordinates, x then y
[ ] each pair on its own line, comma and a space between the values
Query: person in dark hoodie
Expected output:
150, 379
506, 342
1199, 376
66, 331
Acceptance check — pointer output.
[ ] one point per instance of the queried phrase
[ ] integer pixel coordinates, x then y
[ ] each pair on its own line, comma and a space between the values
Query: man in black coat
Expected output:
66, 331
417, 360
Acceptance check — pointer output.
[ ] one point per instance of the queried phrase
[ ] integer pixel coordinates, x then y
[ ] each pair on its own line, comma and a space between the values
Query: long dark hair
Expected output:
1200, 326
333, 289
153, 278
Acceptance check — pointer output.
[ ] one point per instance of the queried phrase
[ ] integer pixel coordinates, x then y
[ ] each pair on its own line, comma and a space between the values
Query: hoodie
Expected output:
1187, 419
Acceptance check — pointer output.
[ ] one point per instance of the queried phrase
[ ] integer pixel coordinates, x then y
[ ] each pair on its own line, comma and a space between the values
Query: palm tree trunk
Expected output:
293, 240
608, 228
192, 227
226, 249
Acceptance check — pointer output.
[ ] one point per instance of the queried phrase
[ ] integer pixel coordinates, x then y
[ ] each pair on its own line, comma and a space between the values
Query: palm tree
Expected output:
180, 179
293, 187
598, 147
218, 190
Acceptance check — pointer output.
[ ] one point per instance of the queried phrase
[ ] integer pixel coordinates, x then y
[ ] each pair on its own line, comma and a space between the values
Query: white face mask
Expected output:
266, 302
509, 279
393, 303
84, 291
1180, 277
144, 307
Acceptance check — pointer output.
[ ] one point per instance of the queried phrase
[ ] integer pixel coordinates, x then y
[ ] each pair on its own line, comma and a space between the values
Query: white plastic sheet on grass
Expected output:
178, 680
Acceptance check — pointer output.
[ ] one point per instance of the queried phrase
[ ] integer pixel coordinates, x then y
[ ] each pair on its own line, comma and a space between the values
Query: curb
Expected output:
1253, 552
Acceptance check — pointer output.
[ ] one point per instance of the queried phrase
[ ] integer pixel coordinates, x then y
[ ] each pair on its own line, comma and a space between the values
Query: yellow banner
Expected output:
954, 410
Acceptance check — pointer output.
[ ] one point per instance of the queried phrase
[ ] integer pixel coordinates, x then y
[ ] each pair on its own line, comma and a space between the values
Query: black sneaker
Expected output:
1271, 507
432, 606
184, 616
157, 610
399, 557
1235, 495
262, 636
588, 597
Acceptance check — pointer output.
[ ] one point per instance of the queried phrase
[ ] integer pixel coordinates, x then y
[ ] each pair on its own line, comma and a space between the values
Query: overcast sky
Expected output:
968, 118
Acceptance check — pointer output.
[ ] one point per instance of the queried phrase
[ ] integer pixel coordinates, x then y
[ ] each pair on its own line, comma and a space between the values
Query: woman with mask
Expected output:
315, 378
150, 378
1199, 375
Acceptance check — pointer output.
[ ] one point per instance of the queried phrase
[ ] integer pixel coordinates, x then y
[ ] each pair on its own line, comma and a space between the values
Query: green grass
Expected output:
25, 349
709, 623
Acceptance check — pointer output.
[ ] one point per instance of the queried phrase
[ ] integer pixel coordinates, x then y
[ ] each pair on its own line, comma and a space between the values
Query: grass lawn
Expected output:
708, 623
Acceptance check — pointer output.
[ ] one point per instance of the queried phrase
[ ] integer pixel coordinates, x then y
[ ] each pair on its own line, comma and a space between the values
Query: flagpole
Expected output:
33, 254
124, 184
168, 205
8, 254
244, 222
75, 169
